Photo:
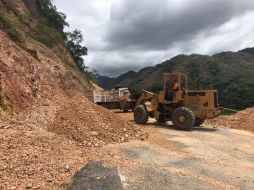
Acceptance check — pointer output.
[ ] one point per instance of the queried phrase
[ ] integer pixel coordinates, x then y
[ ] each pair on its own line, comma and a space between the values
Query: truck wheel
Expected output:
198, 121
141, 114
161, 119
125, 110
183, 118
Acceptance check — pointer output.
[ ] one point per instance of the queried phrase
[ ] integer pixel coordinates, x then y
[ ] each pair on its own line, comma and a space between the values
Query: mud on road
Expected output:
205, 158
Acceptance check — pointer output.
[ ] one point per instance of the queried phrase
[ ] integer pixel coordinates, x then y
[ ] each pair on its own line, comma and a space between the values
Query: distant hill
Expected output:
231, 73
248, 50
108, 83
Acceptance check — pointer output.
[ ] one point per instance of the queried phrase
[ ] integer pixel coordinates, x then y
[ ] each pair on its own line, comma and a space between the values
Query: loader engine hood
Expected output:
203, 99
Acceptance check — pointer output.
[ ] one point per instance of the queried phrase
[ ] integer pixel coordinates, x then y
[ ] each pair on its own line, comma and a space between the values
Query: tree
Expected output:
73, 40
74, 45
55, 18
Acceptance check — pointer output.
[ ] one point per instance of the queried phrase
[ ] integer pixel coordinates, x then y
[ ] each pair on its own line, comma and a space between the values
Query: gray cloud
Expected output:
124, 35
147, 24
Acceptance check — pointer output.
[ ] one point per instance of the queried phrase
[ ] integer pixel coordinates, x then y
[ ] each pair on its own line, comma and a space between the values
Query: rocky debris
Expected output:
242, 120
45, 145
91, 125
53, 129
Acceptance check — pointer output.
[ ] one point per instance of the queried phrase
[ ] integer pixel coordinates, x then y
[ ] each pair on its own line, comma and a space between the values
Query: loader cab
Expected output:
175, 85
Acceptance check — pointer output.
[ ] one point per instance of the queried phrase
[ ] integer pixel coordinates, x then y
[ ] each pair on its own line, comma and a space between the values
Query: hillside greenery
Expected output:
55, 18
231, 73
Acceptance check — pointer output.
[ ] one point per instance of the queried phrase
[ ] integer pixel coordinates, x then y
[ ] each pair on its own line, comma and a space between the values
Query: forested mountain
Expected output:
231, 73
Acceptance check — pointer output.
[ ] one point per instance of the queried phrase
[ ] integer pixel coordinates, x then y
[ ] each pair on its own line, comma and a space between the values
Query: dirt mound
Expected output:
54, 127
32, 158
48, 128
44, 146
242, 120
92, 125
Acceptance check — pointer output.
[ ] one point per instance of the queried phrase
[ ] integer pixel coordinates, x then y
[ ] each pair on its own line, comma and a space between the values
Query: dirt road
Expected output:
205, 158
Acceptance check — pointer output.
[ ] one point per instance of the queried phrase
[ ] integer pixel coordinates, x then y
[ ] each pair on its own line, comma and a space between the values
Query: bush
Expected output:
8, 24
14, 35
55, 18
92, 75
44, 39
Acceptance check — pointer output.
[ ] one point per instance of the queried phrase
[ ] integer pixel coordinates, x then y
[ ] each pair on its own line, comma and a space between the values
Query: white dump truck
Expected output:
117, 98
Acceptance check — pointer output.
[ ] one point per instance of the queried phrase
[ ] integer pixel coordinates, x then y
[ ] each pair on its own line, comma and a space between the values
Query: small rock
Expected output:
126, 136
67, 168
49, 179
29, 186
98, 178
124, 129
94, 133
6, 127
96, 144
89, 144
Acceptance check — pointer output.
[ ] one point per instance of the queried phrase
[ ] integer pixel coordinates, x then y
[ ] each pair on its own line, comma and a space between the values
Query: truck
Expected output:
116, 98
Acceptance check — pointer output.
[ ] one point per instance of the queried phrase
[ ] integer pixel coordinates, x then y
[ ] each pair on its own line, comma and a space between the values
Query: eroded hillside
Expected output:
30, 70
48, 126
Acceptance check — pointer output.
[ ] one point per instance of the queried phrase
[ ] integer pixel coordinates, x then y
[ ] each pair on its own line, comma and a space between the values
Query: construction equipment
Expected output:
117, 98
185, 108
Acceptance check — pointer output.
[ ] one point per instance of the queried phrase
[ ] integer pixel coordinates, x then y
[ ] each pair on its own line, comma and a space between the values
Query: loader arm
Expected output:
145, 96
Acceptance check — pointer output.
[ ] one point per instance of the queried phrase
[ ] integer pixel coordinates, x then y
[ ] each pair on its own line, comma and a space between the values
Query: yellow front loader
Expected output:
185, 108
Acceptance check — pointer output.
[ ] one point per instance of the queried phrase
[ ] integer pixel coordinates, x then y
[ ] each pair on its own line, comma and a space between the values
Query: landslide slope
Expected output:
48, 127
231, 73
34, 62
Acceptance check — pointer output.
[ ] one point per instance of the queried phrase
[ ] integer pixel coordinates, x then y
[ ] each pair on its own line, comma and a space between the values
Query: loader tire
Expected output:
183, 118
141, 115
198, 121
161, 119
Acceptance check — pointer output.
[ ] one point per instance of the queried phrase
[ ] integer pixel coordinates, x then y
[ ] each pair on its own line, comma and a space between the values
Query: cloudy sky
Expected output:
123, 35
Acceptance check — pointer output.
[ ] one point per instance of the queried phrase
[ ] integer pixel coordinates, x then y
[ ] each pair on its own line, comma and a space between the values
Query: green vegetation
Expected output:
74, 45
44, 23
50, 29
72, 40
11, 25
92, 75
47, 35
55, 19
231, 73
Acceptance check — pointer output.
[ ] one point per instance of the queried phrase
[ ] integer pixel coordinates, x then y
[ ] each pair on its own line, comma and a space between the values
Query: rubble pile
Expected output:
91, 125
242, 120
48, 128
44, 146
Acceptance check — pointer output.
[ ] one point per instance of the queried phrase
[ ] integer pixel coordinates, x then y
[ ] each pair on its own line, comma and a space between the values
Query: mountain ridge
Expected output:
225, 71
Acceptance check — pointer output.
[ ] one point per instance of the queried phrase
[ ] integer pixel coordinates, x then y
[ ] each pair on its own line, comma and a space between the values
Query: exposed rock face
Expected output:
29, 70
25, 79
